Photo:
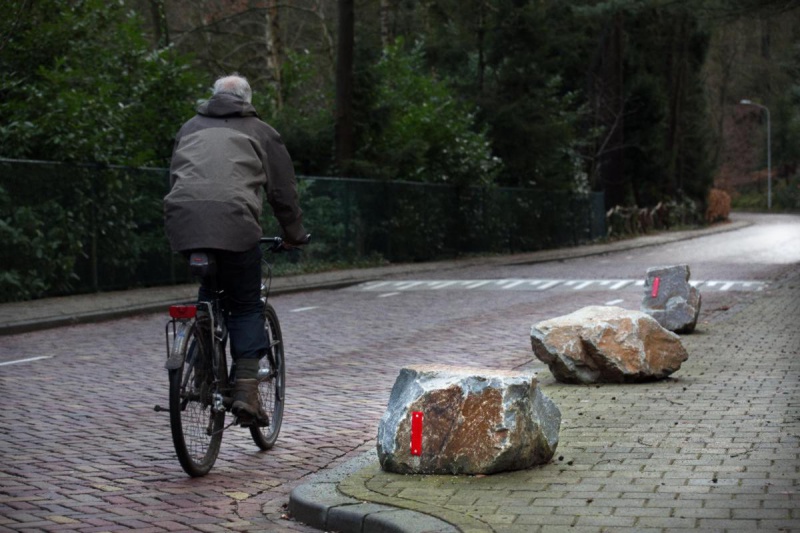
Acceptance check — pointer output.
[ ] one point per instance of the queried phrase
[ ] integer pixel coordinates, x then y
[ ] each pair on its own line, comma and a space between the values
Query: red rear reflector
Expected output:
182, 311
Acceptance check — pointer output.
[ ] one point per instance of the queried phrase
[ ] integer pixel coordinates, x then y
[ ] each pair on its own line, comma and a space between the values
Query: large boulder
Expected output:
605, 344
670, 299
468, 421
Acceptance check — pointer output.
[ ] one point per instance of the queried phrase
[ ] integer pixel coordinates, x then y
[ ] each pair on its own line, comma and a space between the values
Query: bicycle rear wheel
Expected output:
272, 382
195, 421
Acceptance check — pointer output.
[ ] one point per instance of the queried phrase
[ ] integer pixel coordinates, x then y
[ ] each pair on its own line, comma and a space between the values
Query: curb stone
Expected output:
321, 505
356, 486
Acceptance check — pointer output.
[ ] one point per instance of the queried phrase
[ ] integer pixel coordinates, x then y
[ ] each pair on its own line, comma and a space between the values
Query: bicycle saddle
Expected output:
202, 264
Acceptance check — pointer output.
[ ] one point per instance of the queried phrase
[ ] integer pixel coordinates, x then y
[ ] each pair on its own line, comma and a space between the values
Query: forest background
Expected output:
636, 99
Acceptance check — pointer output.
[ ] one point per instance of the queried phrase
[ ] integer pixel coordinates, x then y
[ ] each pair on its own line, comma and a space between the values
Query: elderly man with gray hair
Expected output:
223, 159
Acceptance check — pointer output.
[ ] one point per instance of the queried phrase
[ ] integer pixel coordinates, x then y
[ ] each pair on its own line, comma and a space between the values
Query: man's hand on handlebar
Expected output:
293, 245
281, 245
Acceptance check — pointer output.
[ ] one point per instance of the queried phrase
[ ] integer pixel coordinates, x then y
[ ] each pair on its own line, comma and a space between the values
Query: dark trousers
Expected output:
239, 276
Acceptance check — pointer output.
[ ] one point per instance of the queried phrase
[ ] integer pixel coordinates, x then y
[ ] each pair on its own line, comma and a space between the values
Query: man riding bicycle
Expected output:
222, 159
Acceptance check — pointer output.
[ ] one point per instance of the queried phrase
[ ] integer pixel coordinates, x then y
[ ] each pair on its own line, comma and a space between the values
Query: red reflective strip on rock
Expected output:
656, 283
416, 433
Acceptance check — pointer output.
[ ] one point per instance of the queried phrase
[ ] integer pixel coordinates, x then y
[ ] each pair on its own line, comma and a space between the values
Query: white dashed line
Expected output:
621, 283
517, 284
407, 285
550, 283
371, 285
301, 309
28, 360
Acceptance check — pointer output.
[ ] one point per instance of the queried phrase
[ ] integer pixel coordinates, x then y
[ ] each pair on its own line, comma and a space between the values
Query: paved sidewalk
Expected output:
20, 317
714, 448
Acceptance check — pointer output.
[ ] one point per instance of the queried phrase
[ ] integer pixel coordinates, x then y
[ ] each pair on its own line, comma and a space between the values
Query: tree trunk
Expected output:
344, 86
274, 45
386, 23
160, 27
678, 61
481, 34
611, 164
319, 12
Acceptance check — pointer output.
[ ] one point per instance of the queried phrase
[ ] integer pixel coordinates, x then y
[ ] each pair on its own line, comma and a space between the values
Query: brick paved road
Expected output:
81, 448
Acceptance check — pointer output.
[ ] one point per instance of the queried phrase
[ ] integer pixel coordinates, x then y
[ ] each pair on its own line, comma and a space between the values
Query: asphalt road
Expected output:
82, 449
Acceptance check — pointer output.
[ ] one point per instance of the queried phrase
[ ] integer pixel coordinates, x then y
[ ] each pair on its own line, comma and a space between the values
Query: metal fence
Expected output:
69, 228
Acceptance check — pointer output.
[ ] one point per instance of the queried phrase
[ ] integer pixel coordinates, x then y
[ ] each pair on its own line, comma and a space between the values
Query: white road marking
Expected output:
370, 285
387, 294
301, 309
518, 284
28, 360
550, 283
615, 302
407, 285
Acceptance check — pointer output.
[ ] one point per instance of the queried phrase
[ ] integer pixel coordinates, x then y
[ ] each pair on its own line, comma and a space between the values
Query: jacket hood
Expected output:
226, 105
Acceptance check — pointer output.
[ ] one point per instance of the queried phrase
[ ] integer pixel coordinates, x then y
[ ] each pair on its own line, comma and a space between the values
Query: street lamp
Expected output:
769, 152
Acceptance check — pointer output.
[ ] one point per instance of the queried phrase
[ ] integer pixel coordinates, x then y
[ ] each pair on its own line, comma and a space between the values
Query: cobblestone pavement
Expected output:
81, 448
715, 448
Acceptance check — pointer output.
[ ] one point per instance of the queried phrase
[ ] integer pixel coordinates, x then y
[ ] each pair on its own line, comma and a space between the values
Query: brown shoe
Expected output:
246, 404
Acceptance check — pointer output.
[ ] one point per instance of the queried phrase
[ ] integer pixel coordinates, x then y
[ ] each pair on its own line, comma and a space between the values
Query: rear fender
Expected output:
177, 351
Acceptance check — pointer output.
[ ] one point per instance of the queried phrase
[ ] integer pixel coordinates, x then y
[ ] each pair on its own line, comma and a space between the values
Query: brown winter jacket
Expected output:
223, 157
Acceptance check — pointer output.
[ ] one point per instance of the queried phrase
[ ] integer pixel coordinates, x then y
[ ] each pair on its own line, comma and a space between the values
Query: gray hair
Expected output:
235, 85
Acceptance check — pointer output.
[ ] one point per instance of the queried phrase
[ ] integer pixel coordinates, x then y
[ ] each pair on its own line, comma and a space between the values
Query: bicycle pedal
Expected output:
248, 421
245, 421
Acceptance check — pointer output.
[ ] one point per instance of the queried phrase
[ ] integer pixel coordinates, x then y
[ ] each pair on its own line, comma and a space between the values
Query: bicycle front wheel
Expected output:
195, 420
271, 382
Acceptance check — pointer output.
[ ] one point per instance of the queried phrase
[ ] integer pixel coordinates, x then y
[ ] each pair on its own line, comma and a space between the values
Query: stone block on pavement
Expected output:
670, 299
606, 344
468, 421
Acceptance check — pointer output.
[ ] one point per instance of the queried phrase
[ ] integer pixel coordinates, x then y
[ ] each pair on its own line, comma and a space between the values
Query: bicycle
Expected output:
200, 386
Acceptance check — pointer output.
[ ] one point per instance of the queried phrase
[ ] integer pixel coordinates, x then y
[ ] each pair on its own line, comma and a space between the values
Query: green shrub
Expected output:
420, 131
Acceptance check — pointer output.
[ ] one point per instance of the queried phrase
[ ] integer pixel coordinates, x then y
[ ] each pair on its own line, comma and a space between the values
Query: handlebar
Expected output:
276, 243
